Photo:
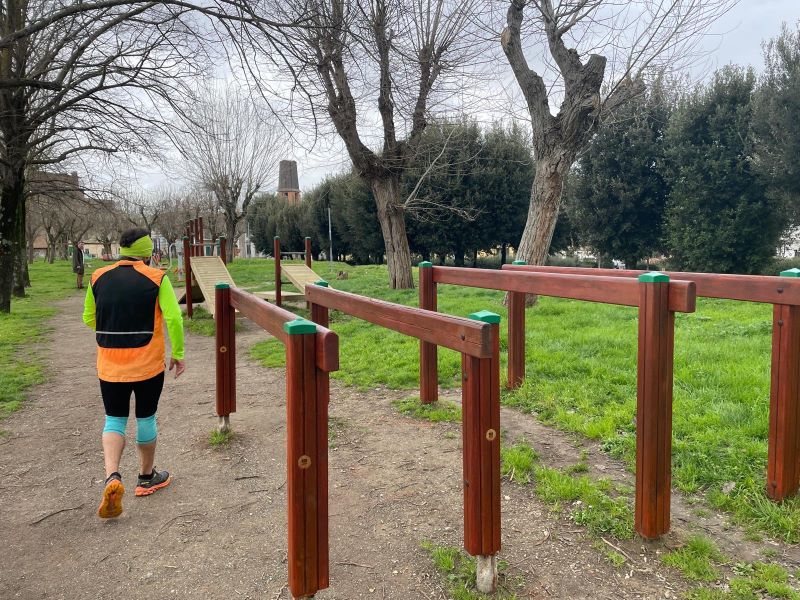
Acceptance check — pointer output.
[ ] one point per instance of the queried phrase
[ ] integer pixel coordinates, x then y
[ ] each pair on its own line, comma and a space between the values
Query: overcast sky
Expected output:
735, 38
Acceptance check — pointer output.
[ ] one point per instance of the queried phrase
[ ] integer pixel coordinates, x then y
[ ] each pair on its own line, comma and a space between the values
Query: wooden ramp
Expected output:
300, 276
207, 271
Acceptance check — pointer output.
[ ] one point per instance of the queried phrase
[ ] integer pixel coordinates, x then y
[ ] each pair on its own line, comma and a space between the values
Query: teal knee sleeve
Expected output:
115, 425
146, 430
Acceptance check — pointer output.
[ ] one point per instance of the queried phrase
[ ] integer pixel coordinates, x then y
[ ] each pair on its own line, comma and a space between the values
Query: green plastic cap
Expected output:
186, 237
485, 316
222, 237
519, 262
425, 264
277, 237
308, 237
653, 277
299, 326
790, 273
321, 283
222, 286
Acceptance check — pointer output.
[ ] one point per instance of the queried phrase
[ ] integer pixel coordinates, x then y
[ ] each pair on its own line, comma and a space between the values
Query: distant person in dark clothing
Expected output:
77, 263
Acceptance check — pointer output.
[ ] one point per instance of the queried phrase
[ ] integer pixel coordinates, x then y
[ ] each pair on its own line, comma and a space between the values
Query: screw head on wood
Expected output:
491, 434
304, 461
223, 349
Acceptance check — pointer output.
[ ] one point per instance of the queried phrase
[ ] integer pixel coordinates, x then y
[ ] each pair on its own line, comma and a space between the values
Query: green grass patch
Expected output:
581, 367
589, 501
458, 572
442, 411
21, 331
754, 581
219, 438
201, 323
696, 559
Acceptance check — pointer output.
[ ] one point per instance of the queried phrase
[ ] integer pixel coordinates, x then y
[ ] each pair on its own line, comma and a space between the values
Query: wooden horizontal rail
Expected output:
747, 288
271, 318
462, 335
595, 288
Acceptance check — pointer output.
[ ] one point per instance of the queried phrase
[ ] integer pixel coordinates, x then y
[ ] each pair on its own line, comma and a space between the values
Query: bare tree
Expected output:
229, 146
376, 67
597, 55
77, 82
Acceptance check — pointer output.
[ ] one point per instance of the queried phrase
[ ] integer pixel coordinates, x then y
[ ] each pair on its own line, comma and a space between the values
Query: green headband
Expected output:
142, 247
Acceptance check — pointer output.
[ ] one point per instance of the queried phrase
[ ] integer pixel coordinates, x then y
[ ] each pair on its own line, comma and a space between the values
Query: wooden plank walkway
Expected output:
207, 271
300, 276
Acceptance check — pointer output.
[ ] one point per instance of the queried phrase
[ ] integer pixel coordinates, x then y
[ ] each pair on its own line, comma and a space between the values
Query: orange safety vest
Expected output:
129, 323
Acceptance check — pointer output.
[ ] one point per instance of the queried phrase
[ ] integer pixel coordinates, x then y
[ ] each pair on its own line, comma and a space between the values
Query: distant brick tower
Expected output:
288, 184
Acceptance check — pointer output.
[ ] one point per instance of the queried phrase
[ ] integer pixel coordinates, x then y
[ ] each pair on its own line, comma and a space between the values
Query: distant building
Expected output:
288, 183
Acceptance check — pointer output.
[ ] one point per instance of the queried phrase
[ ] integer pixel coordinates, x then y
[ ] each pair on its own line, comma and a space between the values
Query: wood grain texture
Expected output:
271, 318
747, 288
654, 411
459, 334
516, 339
428, 353
783, 457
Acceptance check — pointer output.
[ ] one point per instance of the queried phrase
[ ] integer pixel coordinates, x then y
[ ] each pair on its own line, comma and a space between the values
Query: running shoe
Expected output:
111, 505
157, 480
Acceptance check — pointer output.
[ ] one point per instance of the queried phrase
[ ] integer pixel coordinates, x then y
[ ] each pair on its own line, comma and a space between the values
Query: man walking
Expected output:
128, 304
77, 263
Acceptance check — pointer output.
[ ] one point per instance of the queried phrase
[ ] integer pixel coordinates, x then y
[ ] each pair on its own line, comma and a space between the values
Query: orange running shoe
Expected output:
111, 505
157, 480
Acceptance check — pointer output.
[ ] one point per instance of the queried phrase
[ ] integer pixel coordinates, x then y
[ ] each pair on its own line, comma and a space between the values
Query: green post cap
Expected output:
425, 264
485, 316
277, 237
653, 277
519, 262
222, 286
299, 326
321, 283
790, 273
308, 237
222, 237
185, 237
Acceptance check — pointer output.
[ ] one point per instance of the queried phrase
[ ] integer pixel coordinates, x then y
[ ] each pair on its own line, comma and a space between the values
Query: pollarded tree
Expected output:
719, 216
230, 146
375, 67
578, 38
619, 193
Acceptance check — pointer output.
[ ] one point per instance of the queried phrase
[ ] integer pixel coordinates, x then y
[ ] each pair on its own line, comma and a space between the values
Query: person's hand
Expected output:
179, 365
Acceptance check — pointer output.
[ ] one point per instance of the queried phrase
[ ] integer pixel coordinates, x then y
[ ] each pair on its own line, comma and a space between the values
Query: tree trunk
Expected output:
230, 233
12, 203
548, 184
503, 254
393, 227
475, 259
30, 241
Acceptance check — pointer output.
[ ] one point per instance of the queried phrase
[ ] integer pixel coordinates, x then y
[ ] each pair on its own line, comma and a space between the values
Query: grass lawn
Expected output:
21, 331
581, 368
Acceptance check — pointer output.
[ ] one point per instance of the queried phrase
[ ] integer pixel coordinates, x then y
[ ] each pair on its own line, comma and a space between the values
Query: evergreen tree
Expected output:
777, 121
719, 217
617, 196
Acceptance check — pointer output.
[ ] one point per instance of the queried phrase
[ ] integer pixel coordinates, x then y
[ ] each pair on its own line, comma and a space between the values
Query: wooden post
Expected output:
320, 314
187, 274
193, 236
308, 252
223, 249
654, 406
516, 337
277, 252
307, 463
783, 459
201, 235
428, 353
225, 318
481, 455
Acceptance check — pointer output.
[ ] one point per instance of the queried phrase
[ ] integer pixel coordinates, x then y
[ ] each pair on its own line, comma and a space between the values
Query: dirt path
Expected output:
220, 530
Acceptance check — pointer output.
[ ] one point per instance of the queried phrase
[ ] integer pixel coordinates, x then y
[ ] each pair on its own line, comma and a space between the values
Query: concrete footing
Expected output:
224, 424
486, 573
